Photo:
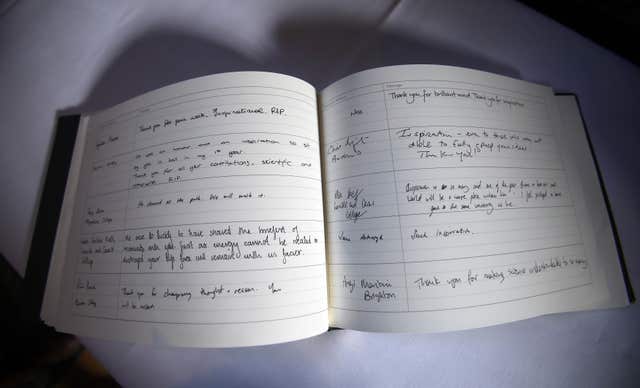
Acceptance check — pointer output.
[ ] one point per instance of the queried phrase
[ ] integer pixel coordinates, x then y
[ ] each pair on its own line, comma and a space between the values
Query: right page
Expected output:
455, 199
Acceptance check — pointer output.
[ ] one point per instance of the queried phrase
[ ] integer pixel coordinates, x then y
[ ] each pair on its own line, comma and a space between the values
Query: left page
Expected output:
194, 218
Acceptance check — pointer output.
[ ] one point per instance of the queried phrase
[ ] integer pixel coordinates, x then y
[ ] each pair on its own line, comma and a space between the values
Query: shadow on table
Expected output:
319, 52
322, 52
155, 59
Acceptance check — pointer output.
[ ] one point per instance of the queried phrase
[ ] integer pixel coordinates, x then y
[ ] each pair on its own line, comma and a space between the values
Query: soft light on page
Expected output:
449, 204
199, 219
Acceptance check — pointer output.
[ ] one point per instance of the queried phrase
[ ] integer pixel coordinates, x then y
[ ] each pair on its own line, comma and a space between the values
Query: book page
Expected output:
448, 204
198, 218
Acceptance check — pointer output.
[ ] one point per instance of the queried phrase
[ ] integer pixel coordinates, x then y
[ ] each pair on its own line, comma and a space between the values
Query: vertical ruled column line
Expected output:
395, 189
124, 218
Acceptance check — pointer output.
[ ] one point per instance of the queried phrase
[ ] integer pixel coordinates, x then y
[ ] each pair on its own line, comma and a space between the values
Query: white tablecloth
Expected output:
74, 56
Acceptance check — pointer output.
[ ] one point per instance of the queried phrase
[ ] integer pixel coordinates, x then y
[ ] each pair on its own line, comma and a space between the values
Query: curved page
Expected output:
198, 217
449, 204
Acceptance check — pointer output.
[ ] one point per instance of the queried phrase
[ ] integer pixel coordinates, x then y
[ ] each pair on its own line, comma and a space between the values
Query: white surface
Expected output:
60, 55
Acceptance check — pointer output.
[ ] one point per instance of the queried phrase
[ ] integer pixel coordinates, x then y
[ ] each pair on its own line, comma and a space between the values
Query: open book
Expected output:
248, 208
